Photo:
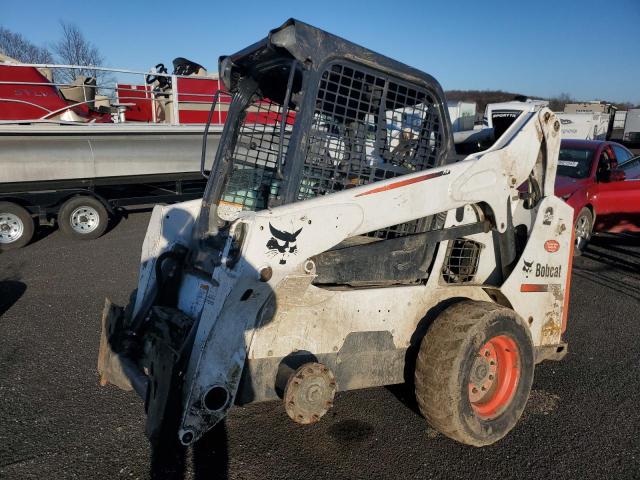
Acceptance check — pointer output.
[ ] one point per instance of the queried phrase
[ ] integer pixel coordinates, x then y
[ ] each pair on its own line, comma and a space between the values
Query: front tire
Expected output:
83, 218
16, 226
474, 372
583, 229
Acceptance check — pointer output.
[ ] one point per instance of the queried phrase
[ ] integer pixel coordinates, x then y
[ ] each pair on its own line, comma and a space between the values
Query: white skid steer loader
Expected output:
337, 247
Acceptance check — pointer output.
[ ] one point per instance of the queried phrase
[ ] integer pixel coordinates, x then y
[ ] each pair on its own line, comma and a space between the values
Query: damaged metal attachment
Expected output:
309, 393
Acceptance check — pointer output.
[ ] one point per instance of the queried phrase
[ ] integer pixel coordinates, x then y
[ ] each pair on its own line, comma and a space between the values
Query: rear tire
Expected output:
83, 218
583, 229
16, 226
474, 372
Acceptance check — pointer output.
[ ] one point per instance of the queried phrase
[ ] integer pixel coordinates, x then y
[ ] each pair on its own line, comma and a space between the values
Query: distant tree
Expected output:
557, 104
74, 49
16, 46
625, 106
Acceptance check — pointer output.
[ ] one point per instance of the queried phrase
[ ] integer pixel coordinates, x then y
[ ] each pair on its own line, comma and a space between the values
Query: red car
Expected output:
601, 181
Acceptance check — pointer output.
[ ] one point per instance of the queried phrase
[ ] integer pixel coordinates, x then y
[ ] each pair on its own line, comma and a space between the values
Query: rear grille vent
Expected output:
461, 262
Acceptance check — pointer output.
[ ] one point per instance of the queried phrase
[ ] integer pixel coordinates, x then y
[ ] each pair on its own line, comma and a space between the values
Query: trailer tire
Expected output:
583, 229
83, 218
474, 372
16, 226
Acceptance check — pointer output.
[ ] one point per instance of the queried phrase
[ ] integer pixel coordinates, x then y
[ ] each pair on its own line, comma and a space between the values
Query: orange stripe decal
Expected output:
536, 287
404, 183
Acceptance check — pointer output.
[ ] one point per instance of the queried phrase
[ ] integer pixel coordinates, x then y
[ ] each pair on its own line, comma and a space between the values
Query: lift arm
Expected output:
266, 246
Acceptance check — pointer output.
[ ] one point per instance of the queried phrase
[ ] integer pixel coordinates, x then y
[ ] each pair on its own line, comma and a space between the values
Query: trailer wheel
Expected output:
83, 218
474, 372
583, 229
16, 226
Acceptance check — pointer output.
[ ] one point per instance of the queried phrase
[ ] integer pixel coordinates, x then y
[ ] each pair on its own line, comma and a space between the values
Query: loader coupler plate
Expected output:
110, 365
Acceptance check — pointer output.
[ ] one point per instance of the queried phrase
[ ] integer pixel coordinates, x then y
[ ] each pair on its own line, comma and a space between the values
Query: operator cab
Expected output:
306, 120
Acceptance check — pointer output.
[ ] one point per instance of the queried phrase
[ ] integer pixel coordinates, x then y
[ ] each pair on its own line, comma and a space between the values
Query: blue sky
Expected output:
587, 48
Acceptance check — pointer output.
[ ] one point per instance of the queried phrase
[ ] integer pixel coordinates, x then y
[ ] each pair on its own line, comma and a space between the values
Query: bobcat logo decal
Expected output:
282, 244
528, 266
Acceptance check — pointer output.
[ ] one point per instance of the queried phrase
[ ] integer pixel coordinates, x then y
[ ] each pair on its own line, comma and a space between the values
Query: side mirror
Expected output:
617, 175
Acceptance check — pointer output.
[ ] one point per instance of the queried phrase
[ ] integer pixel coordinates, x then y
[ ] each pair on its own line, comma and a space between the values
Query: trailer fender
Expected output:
90, 193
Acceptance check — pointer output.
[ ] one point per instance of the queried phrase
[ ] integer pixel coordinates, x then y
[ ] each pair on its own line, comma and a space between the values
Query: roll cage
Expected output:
311, 114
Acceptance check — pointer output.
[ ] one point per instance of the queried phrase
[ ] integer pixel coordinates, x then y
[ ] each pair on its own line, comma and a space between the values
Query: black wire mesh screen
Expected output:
461, 261
252, 182
369, 127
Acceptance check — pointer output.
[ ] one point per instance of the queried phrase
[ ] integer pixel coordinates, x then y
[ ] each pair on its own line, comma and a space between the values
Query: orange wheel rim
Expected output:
494, 377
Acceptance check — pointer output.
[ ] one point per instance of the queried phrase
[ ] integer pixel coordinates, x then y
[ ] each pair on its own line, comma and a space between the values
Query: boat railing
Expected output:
176, 100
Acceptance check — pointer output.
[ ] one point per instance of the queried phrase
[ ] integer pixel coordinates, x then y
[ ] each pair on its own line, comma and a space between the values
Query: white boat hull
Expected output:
48, 152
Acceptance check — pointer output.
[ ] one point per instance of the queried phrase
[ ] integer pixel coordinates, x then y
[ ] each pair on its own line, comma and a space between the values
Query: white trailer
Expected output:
594, 106
584, 126
632, 126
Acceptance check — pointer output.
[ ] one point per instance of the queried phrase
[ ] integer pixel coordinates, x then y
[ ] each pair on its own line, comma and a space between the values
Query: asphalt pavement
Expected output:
582, 421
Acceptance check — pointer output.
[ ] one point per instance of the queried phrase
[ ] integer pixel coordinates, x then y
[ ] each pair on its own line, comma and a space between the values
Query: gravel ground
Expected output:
582, 421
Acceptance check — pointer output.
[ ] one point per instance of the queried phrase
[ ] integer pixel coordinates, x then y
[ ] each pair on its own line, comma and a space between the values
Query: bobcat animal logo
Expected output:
528, 266
282, 243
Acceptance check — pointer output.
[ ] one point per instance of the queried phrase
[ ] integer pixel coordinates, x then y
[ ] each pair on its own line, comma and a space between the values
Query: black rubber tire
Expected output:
28, 226
443, 368
581, 243
67, 209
